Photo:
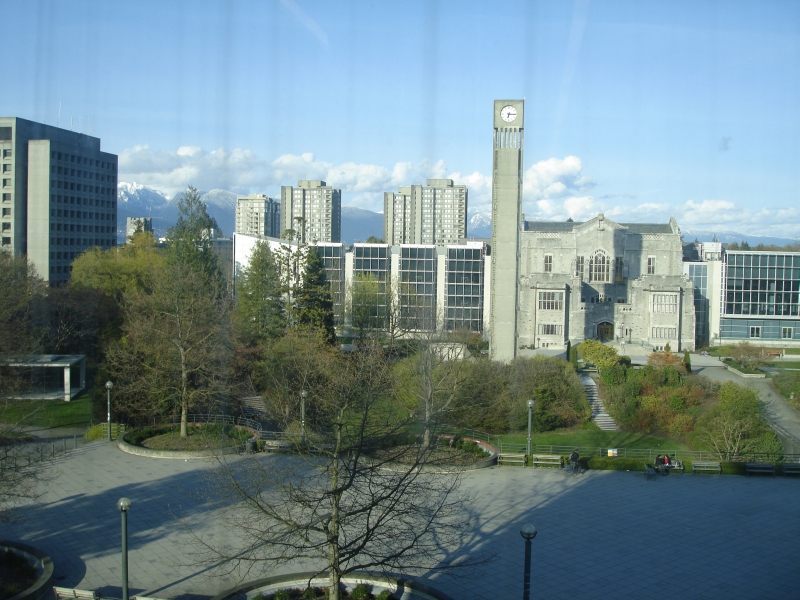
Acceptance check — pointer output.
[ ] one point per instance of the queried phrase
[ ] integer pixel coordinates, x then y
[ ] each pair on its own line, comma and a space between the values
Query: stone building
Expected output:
604, 280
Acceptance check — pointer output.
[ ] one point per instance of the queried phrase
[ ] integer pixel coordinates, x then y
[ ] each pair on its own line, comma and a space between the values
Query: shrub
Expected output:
612, 463
282, 595
384, 595
361, 592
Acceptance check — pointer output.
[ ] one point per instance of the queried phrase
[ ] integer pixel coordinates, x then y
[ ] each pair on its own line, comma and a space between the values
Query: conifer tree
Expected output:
189, 241
313, 303
260, 309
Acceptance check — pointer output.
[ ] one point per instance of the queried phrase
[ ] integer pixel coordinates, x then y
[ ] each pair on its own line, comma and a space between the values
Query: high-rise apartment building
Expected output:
435, 213
134, 223
313, 210
257, 214
59, 195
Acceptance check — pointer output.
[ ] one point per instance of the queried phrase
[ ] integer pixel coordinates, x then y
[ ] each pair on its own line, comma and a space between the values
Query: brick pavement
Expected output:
601, 535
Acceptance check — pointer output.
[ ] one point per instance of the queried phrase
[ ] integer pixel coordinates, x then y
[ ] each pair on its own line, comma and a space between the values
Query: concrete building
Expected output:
431, 287
134, 223
59, 195
313, 210
751, 296
435, 213
258, 214
507, 170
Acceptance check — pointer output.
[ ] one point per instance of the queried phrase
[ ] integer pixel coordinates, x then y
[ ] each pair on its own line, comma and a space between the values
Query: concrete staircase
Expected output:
254, 407
599, 414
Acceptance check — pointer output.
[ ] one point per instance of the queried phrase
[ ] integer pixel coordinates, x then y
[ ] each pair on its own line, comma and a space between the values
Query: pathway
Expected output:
735, 536
599, 414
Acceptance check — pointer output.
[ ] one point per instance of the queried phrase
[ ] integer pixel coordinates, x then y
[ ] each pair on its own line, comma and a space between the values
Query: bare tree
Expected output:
360, 494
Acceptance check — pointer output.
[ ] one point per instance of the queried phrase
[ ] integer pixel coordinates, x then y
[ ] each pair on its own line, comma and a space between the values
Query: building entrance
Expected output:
605, 331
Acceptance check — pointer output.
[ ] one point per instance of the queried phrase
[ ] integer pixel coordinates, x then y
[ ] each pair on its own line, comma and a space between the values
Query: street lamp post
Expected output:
622, 338
303, 396
538, 342
109, 385
528, 532
530, 416
124, 505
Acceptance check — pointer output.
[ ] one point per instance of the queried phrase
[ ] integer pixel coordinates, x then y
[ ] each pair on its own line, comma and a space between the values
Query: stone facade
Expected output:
603, 280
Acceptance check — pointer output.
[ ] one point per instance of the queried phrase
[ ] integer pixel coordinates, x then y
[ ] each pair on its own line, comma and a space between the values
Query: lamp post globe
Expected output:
109, 385
528, 532
530, 421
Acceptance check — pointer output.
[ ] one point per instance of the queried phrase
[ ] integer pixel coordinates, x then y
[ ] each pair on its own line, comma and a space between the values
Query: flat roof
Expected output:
43, 360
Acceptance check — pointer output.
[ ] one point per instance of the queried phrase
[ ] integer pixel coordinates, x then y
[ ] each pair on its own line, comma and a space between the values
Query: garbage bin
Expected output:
251, 445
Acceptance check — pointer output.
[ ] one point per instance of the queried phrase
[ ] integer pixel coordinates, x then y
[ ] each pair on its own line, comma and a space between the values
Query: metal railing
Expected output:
650, 453
209, 419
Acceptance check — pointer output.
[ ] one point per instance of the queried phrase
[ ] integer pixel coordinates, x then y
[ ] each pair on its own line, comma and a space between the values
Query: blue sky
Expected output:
641, 110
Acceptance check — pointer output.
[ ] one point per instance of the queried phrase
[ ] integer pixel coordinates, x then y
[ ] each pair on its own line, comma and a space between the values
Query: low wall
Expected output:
43, 588
746, 375
182, 454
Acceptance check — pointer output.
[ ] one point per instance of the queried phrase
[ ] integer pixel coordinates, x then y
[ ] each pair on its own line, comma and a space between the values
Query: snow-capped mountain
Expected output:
479, 225
135, 200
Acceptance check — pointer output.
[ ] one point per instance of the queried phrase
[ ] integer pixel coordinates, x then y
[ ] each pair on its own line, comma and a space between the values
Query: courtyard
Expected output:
600, 535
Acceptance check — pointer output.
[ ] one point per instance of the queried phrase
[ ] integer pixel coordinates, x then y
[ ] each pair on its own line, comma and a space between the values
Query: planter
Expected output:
745, 375
179, 454
43, 588
402, 589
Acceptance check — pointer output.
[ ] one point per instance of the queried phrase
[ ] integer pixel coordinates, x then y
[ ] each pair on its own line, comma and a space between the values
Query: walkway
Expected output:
725, 537
599, 413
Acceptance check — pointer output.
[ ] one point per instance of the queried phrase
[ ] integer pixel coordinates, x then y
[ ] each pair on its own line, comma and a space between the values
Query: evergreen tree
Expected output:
189, 241
313, 303
260, 310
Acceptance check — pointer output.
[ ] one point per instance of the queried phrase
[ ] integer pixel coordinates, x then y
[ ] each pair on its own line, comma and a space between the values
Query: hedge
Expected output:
602, 463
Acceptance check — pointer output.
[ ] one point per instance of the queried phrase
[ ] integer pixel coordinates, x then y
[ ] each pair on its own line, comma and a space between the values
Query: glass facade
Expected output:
418, 288
464, 294
698, 273
371, 294
760, 291
764, 284
333, 257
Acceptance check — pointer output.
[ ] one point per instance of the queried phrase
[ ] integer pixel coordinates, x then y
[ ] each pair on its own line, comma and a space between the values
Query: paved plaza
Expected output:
601, 534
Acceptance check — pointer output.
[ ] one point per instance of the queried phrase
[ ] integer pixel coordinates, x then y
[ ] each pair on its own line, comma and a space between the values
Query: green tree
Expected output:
189, 241
22, 289
121, 269
313, 303
173, 353
260, 308
599, 354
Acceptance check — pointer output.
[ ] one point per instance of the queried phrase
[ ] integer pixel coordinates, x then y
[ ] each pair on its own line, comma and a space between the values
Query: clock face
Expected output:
508, 114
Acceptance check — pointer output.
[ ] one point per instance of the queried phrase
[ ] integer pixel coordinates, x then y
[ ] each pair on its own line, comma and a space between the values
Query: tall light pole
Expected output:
303, 396
530, 419
124, 505
109, 385
528, 532
622, 338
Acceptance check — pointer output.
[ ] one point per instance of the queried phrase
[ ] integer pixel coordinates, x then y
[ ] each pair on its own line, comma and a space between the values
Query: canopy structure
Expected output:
51, 361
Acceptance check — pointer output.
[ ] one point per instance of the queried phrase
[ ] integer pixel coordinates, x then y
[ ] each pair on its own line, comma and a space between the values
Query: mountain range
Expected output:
358, 224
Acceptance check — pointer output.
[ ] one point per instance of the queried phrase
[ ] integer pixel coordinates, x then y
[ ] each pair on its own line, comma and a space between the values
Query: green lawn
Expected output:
596, 438
785, 364
50, 413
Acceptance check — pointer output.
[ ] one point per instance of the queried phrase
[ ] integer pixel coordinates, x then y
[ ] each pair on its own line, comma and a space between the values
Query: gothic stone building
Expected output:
603, 280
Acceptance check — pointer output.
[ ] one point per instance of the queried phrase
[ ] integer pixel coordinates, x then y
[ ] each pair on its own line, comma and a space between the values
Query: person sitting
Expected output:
667, 465
660, 464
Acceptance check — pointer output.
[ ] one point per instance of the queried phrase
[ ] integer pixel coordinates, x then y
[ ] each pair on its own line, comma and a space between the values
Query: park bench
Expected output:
514, 459
70, 593
791, 469
649, 471
551, 460
707, 467
754, 467
676, 466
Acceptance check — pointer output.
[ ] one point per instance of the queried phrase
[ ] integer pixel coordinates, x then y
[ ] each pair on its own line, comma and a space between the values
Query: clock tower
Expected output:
509, 118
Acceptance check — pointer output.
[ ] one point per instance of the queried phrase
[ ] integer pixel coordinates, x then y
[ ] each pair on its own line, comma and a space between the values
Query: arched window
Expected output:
600, 267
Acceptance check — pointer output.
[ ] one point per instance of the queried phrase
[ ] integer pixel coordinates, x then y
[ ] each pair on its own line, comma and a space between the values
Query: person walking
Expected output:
573, 458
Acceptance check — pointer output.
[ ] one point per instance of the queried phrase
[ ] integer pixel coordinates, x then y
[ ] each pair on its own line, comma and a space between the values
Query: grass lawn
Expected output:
788, 383
785, 364
50, 413
596, 438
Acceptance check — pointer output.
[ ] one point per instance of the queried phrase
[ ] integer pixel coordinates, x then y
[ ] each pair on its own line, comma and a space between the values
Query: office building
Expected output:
59, 195
132, 224
257, 214
435, 213
313, 210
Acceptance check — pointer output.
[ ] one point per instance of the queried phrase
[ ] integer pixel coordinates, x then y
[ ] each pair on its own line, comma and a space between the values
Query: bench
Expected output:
791, 469
551, 460
707, 467
754, 467
649, 471
70, 593
676, 467
514, 459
